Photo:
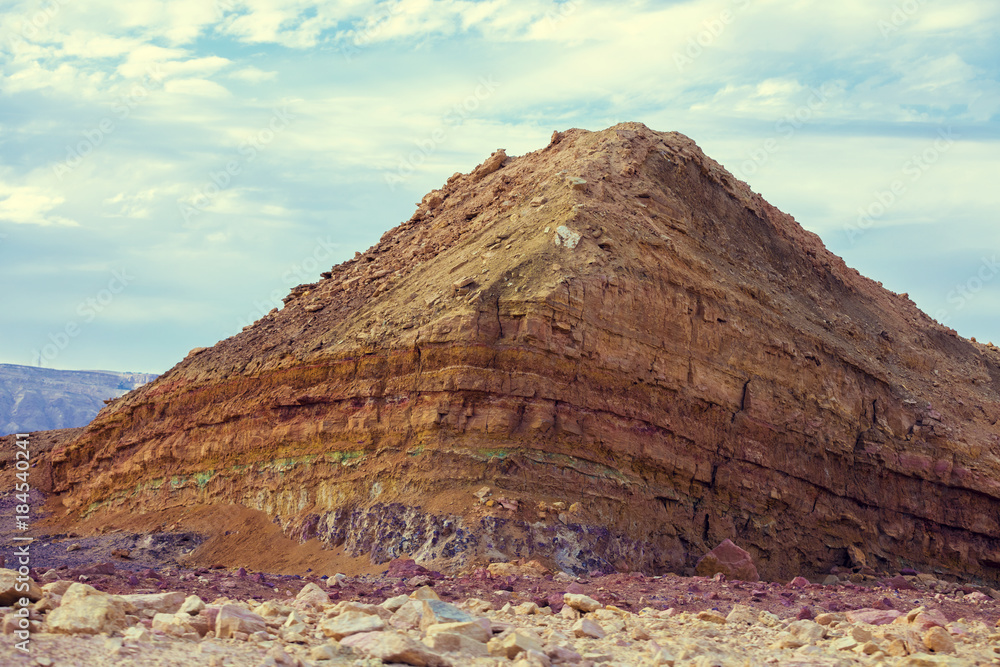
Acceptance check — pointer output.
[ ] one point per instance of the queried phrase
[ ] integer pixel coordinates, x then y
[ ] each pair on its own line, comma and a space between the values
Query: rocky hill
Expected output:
40, 399
607, 354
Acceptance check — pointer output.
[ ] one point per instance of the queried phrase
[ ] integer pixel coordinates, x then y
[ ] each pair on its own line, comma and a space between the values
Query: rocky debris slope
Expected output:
41, 399
516, 615
636, 355
39, 445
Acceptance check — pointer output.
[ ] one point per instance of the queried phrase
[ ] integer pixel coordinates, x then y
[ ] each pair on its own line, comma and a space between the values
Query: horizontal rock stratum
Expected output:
614, 323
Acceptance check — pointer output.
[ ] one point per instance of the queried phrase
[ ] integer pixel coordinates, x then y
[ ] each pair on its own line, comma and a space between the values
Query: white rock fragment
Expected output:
581, 602
588, 628
566, 237
351, 623
233, 618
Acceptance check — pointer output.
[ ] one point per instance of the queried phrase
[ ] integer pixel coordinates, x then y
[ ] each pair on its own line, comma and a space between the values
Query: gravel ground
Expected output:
669, 620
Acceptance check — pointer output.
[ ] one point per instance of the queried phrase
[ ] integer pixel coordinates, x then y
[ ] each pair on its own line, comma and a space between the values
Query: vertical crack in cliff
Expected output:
743, 399
522, 406
499, 323
864, 428
858, 446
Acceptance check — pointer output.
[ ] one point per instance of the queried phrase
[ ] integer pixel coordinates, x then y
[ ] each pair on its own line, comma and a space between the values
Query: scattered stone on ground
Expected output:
487, 620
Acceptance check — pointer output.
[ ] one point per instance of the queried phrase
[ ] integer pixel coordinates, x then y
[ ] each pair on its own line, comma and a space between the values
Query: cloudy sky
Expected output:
170, 168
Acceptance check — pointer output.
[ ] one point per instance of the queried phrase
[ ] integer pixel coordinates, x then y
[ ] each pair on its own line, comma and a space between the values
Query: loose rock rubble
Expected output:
514, 620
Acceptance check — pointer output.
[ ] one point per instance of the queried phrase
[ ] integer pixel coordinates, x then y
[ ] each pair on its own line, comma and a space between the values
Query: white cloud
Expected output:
169, 62
294, 23
253, 75
195, 88
955, 16
232, 201
770, 98
137, 206
63, 78
89, 45
199, 66
29, 205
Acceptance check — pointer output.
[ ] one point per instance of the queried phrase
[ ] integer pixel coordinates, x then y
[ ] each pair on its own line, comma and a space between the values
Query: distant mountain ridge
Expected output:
41, 399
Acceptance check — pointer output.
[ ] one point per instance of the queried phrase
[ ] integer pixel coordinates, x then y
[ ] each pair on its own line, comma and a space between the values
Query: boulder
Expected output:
173, 624
873, 616
938, 640
372, 609
234, 618
588, 628
712, 617
57, 588
742, 615
351, 623
513, 644
478, 630
156, 603
192, 605
394, 603
10, 582
424, 593
408, 616
311, 594
437, 611
272, 609
404, 568
84, 610
395, 647
927, 619
581, 602
730, 560
451, 642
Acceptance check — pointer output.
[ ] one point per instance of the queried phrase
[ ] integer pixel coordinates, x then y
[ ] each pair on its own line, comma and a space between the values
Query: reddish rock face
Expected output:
613, 326
728, 559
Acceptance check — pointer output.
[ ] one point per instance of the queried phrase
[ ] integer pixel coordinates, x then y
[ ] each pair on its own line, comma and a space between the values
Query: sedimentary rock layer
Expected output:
613, 321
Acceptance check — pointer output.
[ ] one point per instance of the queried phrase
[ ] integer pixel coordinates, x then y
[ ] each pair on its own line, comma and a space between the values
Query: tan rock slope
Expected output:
614, 327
